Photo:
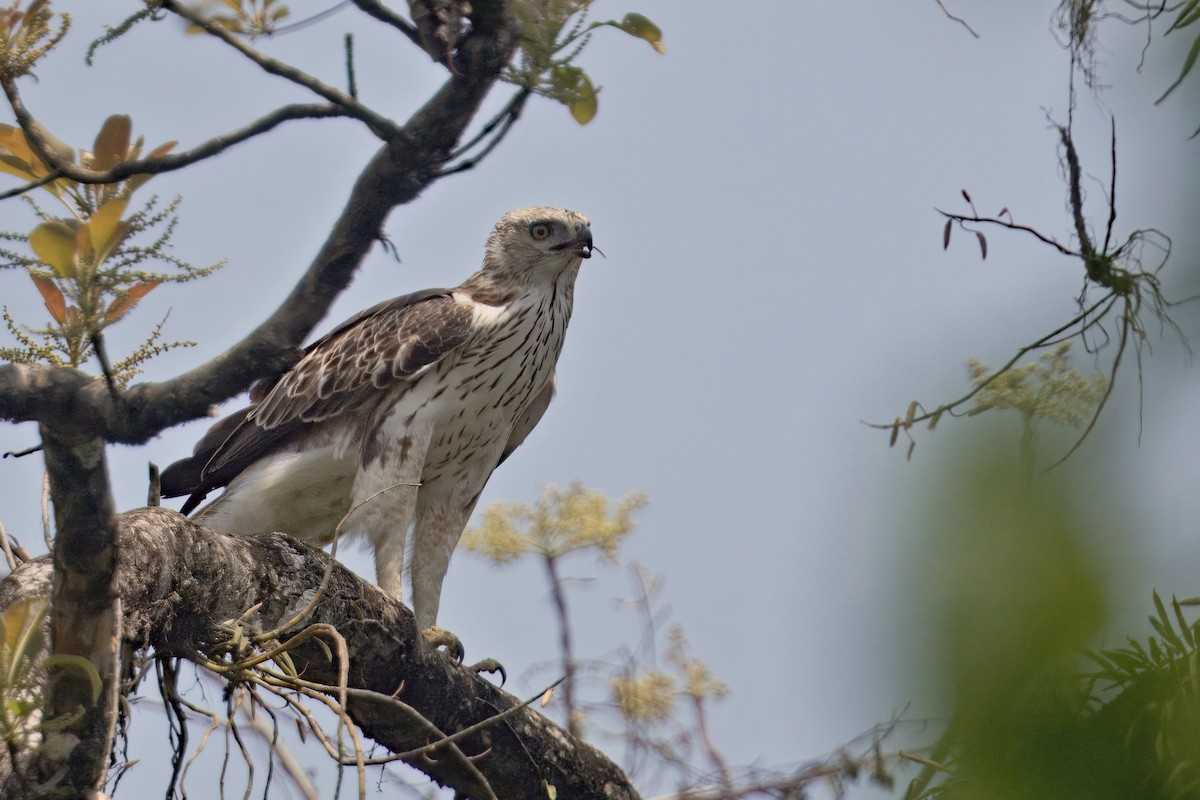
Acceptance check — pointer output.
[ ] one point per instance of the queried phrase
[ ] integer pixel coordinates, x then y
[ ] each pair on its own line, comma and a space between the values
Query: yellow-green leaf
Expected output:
15, 165
125, 302
80, 664
13, 140
105, 225
583, 106
112, 143
643, 28
60, 150
52, 296
19, 619
162, 149
54, 244
85, 251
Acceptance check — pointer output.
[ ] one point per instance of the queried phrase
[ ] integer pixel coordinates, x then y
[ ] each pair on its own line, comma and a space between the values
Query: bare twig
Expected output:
28, 451
4, 544
381, 126
962, 22
1012, 226
564, 643
384, 14
147, 166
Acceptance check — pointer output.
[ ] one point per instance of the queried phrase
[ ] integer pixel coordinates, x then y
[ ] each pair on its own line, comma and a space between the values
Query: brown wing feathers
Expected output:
388, 343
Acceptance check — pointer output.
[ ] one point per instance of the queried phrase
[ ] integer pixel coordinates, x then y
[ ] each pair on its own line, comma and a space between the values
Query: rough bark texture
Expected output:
84, 616
178, 581
78, 415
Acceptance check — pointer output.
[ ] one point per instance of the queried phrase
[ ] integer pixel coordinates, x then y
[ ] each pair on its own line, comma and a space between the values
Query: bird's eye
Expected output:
540, 231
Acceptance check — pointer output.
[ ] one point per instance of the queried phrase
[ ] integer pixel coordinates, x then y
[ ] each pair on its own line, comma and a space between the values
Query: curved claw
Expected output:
440, 637
490, 665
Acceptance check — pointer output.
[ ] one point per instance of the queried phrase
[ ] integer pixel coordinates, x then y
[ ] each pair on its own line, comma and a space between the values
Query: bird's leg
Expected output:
436, 531
435, 534
383, 504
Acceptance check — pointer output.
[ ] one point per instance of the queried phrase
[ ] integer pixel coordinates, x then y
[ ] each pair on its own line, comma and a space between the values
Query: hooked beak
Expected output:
581, 245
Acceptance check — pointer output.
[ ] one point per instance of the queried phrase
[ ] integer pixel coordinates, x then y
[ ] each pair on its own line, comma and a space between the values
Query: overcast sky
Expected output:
765, 195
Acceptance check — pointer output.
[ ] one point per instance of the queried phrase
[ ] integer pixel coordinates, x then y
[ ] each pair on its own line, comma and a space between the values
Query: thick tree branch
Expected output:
397, 174
178, 582
84, 617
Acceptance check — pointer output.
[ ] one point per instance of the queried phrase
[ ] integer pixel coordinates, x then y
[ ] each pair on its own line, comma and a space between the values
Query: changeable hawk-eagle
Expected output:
397, 418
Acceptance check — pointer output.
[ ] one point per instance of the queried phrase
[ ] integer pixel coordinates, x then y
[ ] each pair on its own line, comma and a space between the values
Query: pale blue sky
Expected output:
765, 197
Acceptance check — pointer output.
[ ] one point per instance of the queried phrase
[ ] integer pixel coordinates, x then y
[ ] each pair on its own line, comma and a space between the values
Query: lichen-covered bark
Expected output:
84, 617
78, 415
178, 581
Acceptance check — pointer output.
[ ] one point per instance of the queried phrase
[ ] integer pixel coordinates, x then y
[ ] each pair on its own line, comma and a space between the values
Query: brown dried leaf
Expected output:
912, 413
946, 234
895, 432
123, 304
112, 143
982, 244
546, 697
52, 296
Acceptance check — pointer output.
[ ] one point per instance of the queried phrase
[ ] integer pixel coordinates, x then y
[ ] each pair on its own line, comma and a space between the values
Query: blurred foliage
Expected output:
1078, 20
1018, 590
562, 522
553, 34
26, 36
251, 18
89, 265
1048, 388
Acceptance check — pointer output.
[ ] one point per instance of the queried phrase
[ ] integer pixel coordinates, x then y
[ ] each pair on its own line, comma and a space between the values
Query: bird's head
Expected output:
539, 238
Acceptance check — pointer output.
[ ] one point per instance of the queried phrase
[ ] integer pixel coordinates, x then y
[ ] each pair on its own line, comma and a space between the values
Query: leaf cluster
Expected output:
90, 263
561, 522
251, 18
26, 36
554, 33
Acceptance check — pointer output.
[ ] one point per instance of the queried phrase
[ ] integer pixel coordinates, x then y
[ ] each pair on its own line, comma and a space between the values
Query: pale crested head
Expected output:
537, 240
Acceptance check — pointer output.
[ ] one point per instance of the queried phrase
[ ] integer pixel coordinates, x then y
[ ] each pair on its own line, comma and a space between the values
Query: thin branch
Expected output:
962, 22
1112, 189
961, 218
384, 14
381, 126
1074, 179
51, 177
8, 553
148, 166
564, 641
505, 119
1044, 341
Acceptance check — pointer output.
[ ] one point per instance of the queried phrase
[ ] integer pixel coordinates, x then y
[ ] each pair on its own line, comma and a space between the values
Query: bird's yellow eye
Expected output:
540, 231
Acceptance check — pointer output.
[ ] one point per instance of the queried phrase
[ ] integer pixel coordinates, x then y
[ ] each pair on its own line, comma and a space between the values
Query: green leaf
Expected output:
105, 226
583, 105
80, 664
643, 28
1189, 14
55, 245
1188, 63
